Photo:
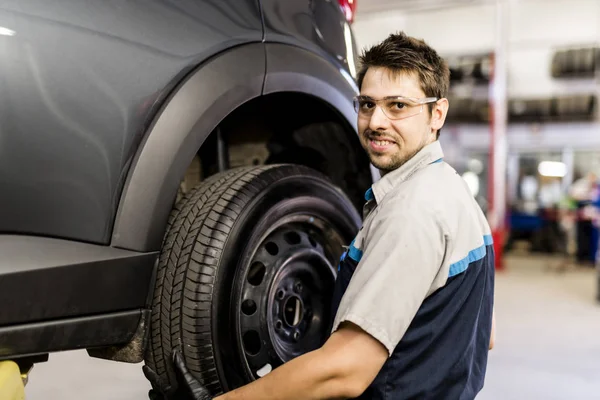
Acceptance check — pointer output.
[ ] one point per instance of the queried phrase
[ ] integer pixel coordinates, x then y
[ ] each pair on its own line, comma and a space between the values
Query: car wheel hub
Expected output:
286, 297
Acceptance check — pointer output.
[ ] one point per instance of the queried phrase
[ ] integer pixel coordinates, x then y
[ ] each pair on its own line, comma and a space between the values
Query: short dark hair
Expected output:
404, 54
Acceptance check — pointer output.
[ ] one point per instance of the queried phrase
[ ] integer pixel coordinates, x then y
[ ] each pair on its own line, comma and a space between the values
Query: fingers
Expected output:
185, 373
179, 361
154, 395
151, 376
157, 384
194, 387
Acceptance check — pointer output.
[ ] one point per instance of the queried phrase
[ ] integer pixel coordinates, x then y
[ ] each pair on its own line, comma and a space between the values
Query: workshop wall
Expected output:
536, 29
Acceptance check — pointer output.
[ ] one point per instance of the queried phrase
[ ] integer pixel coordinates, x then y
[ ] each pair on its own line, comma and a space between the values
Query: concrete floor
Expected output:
547, 345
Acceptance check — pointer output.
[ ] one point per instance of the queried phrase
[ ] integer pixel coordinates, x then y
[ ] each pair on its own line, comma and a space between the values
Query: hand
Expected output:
188, 387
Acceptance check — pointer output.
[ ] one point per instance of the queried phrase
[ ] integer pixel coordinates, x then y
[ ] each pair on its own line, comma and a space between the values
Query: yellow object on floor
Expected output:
11, 382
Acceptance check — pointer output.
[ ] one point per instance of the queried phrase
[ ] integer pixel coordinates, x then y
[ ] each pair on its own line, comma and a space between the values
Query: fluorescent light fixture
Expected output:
555, 169
472, 181
349, 49
6, 32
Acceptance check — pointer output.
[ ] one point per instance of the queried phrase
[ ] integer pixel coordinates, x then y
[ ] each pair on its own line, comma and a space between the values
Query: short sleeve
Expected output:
403, 252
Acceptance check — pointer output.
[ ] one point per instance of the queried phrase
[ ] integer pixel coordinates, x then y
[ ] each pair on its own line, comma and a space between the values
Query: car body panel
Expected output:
293, 69
80, 81
94, 331
44, 279
318, 26
190, 115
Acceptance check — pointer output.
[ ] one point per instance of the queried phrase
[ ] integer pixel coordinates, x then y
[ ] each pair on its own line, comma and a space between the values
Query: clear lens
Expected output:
394, 108
400, 109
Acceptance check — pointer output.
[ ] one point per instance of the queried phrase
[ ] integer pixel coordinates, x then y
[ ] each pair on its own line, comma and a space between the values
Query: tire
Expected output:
246, 273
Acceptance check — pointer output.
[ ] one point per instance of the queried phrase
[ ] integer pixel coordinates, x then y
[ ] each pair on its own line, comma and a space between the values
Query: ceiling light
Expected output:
472, 181
6, 32
555, 169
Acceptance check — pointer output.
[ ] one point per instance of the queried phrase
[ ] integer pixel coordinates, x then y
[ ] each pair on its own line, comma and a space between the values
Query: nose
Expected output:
378, 121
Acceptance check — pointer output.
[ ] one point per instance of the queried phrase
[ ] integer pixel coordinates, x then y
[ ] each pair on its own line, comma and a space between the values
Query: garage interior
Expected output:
524, 131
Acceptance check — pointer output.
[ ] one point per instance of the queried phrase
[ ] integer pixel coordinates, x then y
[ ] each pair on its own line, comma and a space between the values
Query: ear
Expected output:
438, 114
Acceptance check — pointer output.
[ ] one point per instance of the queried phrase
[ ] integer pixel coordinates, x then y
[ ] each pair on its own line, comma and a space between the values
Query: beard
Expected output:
387, 163
392, 160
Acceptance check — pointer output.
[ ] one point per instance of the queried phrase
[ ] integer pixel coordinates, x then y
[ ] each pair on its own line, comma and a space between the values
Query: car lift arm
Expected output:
12, 381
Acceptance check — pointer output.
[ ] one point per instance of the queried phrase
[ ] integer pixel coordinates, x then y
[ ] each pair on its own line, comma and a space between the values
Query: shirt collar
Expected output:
432, 153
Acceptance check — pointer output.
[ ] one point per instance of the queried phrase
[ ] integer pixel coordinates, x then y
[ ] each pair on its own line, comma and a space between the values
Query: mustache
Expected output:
379, 135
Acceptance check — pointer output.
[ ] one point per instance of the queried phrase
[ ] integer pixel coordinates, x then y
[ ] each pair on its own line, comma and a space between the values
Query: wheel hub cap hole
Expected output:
252, 342
272, 248
292, 238
293, 312
264, 370
248, 307
256, 273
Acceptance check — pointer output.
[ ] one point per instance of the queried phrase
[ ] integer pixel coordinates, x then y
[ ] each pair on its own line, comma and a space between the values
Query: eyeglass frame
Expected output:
419, 101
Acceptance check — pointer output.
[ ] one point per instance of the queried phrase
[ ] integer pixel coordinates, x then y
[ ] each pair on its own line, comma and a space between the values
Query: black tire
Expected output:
559, 64
243, 249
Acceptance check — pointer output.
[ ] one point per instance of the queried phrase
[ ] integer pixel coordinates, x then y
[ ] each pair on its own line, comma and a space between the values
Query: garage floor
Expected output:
548, 345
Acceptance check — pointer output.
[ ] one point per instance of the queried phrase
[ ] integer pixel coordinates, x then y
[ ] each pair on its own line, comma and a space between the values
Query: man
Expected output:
582, 191
414, 295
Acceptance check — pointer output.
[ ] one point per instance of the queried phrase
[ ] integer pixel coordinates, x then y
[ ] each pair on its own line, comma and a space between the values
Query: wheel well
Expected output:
286, 128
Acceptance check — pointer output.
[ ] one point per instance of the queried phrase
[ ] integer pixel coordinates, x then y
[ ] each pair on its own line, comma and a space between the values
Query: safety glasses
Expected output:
394, 107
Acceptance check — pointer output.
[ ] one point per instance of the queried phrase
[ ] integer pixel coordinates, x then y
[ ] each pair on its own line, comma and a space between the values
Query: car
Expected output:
176, 174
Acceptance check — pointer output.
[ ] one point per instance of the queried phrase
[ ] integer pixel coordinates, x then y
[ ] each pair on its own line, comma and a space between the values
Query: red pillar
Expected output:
498, 143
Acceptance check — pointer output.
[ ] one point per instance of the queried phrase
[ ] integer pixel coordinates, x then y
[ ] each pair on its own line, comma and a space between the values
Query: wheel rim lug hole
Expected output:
296, 335
281, 294
278, 325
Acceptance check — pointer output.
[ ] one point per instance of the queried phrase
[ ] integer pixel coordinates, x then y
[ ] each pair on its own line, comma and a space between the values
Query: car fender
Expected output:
188, 116
193, 111
293, 69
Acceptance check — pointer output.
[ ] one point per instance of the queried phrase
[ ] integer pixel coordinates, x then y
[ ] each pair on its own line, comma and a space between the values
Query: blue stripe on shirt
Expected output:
354, 253
487, 240
474, 255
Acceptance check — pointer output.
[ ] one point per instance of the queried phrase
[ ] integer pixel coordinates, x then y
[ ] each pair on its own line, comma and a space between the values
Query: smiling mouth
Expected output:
382, 142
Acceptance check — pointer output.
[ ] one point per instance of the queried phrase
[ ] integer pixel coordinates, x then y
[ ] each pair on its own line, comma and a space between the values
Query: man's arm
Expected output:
343, 368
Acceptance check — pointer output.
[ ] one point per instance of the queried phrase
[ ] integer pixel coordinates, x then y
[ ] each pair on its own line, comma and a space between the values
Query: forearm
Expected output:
310, 376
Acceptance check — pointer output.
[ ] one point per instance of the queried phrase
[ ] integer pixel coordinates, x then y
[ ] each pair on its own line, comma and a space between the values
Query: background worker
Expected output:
582, 191
414, 294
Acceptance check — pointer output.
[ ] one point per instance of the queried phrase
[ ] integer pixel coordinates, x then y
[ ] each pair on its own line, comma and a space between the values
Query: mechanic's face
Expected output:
392, 142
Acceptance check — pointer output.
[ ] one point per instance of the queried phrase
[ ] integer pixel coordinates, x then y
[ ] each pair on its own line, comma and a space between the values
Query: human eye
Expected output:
398, 105
366, 104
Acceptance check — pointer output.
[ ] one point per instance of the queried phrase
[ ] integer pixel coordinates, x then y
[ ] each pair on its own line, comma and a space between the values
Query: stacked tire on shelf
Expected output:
564, 108
576, 63
471, 72
567, 64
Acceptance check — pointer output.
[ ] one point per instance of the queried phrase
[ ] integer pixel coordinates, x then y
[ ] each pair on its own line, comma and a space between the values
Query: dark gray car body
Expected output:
103, 105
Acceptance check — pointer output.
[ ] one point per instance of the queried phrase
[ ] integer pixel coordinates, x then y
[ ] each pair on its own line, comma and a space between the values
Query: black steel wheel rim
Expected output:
285, 302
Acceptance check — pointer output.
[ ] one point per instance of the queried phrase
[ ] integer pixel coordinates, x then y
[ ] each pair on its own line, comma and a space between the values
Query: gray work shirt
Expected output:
422, 227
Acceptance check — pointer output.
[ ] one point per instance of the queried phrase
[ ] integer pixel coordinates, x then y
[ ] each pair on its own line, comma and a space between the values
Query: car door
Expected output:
80, 83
